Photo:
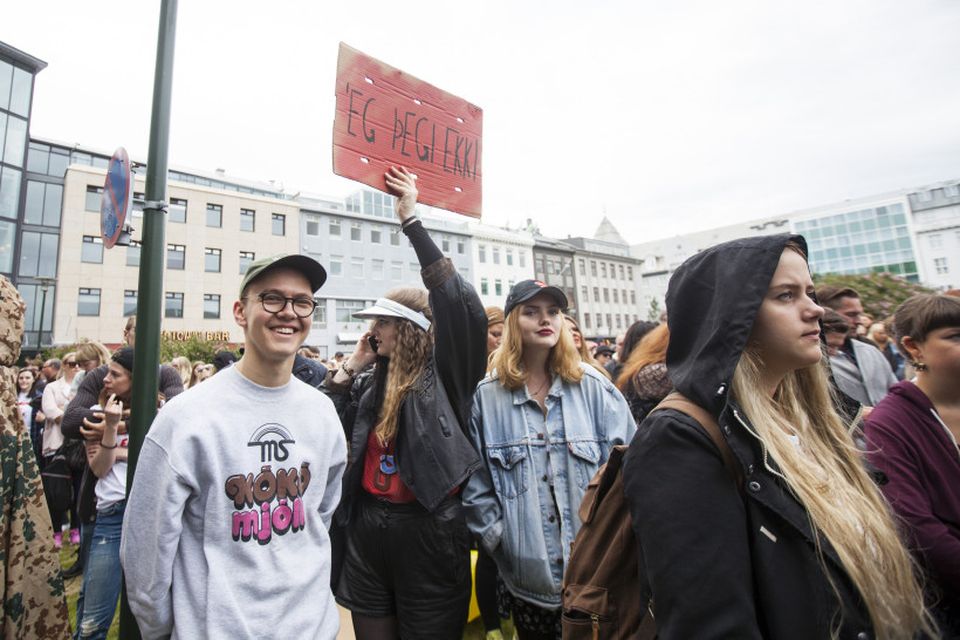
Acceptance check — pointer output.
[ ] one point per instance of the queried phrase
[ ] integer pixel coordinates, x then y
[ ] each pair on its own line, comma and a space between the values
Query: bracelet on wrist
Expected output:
108, 446
347, 370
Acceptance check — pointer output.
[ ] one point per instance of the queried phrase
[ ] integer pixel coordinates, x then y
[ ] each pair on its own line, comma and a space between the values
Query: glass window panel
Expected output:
51, 205
248, 219
133, 254
20, 91
313, 228
334, 228
88, 302
211, 306
214, 215
8, 231
33, 207
176, 256
129, 303
38, 157
336, 265
9, 192
92, 250
173, 305
29, 253
320, 313
177, 211
15, 145
246, 257
211, 260
49, 243
377, 269
59, 161
93, 199
278, 224
6, 81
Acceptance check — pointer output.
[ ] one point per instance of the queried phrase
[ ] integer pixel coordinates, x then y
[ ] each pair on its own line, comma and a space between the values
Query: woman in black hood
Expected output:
806, 547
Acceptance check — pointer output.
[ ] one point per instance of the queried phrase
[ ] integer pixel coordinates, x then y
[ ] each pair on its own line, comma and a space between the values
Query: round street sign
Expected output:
117, 197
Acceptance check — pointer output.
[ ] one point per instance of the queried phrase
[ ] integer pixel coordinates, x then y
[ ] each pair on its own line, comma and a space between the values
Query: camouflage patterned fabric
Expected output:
34, 602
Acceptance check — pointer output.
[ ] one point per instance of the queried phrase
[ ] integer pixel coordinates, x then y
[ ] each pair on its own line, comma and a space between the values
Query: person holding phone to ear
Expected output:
401, 534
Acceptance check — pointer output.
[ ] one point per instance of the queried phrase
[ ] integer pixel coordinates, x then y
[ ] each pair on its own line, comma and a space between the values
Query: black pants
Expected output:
405, 562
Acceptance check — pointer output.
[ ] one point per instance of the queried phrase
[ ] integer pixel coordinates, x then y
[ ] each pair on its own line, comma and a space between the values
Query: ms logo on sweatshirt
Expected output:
268, 502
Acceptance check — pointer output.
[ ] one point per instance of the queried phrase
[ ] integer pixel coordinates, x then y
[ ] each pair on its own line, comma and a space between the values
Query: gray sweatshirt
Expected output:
225, 532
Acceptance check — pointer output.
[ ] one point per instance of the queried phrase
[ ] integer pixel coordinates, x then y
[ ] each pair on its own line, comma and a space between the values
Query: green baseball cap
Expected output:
310, 268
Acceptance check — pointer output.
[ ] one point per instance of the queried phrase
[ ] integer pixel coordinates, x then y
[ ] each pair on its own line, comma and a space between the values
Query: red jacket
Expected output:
915, 450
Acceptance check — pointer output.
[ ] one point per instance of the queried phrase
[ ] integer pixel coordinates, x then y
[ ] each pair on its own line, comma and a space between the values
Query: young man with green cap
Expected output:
227, 520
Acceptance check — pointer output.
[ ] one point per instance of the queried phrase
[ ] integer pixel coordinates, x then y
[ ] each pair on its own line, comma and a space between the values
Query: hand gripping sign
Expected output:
386, 117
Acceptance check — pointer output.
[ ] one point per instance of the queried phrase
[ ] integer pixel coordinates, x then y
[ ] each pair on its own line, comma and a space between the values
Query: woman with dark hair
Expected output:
545, 421
402, 563
912, 437
33, 418
643, 380
790, 537
634, 335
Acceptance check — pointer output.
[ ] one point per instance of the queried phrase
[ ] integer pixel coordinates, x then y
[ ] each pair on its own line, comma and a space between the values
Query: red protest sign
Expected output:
386, 117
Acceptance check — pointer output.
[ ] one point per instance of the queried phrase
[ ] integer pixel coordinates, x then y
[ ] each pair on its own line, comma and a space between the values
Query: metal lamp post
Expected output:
45, 284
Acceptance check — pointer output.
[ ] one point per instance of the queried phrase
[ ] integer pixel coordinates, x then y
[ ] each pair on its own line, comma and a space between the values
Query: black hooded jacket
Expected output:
724, 562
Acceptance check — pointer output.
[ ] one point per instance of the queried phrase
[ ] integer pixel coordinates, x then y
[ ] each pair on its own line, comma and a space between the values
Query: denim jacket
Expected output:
526, 522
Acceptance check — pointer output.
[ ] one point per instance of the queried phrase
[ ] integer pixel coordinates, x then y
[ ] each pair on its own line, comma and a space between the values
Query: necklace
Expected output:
540, 389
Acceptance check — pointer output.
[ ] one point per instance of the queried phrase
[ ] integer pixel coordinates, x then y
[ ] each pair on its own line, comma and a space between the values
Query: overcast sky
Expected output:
667, 116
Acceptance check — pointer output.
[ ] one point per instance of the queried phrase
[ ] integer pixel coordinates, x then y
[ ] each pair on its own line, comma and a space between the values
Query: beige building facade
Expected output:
211, 235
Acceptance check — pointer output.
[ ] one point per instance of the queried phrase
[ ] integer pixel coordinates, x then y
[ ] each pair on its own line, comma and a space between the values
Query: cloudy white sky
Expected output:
667, 116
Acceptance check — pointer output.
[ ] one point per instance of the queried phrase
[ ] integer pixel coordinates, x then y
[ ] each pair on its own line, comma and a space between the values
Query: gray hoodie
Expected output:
225, 532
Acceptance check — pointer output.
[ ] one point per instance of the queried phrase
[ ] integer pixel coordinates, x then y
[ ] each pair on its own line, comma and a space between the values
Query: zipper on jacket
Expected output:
595, 621
763, 447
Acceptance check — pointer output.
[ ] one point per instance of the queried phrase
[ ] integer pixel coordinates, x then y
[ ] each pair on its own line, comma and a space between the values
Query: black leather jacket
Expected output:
433, 453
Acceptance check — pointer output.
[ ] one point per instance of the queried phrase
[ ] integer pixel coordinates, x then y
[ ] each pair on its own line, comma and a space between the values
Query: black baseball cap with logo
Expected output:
527, 289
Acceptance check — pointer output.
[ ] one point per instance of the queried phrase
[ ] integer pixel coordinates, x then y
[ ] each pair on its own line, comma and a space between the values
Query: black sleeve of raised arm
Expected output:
427, 250
88, 394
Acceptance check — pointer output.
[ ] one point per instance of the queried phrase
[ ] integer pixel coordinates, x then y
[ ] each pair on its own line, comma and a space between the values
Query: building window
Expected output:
619, 322
211, 306
616, 296
133, 254
129, 303
313, 228
176, 256
445, 244
177, 211
88, 302
603, 269
606, 294
377, 269
941, 266
346, 309
94, 198
278, 223
42, 205
484, 287
173, 307
414, 267
461, 246
92, 250
396, 270
211, 260
630, 273
498, 287
621, 272
593, 268
496, 254
596, 294
320, 313
336, 265
375, 235
246, 257
583, 266
633, 297
334, 227
586, 321
609, 323
395, 238
248, 220
356, 267
214, 215
356, 232
482, 253
584, 293
509, 256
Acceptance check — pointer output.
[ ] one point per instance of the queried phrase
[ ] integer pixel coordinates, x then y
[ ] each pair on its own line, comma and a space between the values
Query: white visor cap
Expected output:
387, 307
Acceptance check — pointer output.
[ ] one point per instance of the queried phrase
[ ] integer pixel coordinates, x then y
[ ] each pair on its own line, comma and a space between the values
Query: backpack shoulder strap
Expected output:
678, 402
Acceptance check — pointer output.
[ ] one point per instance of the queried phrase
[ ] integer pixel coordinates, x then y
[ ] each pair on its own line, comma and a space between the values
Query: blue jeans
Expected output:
102, 576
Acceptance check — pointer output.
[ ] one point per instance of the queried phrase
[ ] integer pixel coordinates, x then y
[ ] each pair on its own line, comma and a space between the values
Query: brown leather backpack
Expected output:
603, 594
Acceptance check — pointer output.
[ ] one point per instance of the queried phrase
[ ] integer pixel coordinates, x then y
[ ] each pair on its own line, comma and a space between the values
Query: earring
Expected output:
919, 366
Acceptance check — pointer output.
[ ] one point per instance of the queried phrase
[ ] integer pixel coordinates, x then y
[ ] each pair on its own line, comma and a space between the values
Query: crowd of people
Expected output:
831, 510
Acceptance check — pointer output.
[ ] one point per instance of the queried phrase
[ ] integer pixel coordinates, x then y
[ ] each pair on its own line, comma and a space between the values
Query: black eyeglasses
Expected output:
302, 306
71, 364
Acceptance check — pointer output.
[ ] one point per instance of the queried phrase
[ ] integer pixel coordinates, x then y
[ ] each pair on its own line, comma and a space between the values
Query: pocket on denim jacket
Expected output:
586, 456
509, 470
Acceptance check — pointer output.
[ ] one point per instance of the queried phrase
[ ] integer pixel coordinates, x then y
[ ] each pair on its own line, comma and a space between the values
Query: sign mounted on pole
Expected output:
117, 197
386, 117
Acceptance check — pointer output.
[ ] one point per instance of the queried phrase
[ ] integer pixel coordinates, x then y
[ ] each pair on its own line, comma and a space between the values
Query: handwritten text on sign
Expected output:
386, 117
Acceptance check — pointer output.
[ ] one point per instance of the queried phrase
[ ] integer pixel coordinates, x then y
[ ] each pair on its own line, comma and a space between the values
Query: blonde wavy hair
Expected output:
584, 352
564, 361
413, 349
827, 475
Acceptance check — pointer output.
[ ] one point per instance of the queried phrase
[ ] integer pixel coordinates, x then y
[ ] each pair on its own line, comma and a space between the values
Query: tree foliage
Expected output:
880, 293
193, 348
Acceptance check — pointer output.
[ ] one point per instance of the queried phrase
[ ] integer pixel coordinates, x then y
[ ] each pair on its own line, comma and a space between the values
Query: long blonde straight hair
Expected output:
827, 475
410, 356
564, 360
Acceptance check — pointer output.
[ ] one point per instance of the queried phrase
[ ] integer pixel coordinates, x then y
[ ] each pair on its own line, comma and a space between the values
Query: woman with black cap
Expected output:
108, 462
399, 534
544, 422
